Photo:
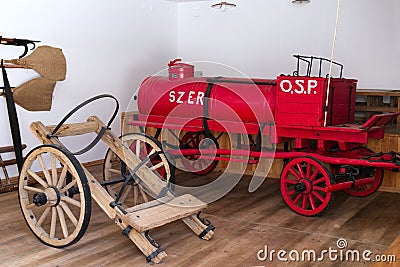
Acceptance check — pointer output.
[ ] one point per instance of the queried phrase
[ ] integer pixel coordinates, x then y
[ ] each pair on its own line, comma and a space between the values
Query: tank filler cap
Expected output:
172, 62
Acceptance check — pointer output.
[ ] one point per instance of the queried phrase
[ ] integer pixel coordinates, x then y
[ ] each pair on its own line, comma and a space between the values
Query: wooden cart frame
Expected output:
56, 193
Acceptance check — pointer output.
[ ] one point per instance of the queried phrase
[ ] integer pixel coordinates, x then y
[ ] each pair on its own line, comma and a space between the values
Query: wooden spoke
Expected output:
312, 203
71, 201
63, 175
144, 195
314, 175
53, 222
297, 198
126, 193
135, 194
45, 170
33, 189
317, 195
304, 203
157, 166
53, 169
68, 186
137, 148
152, 152
69, 213
308, 171
300, 170
62, 221
292, 192
295, 173
115, 171
37, 178
43, 216
319, 188
291, 181
30, 206
114, 187
320, 180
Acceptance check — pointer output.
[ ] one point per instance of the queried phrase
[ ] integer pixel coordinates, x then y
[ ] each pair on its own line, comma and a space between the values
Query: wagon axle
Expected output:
39, 199
50, 196
304, 186
352, 184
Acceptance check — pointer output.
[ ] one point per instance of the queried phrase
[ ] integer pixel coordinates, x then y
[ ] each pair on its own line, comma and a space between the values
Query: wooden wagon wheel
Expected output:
303, 183
54, 196
142, 145
365, 172
198, 140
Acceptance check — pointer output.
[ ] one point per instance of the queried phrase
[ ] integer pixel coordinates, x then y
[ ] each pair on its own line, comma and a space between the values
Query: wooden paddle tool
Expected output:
33, 95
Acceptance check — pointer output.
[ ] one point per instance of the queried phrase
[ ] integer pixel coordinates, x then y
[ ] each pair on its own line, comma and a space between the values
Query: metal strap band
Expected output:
102, 131
154, 254
127, 231
163, 192
206, 231
94, 142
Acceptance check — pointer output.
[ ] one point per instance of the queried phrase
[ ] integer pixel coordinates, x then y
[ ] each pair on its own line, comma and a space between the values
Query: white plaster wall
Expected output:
110, 47
259, 37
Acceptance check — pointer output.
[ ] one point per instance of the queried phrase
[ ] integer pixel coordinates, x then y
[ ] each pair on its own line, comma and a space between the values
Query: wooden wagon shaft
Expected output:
148, 177
74, 129
152, 181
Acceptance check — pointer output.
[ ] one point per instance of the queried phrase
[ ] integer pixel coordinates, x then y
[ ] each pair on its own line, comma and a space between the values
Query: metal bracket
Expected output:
151, 240
207, 223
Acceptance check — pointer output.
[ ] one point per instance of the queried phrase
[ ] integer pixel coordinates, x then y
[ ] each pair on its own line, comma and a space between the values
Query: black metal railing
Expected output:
310, 60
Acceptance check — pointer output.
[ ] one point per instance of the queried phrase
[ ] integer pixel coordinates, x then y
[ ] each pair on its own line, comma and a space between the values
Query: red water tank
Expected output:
228, 99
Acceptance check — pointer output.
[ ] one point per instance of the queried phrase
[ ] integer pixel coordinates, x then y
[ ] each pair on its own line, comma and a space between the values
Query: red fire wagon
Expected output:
310, 116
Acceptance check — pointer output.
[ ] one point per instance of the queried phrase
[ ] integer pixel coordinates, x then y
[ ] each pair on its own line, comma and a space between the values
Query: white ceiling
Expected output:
182, 1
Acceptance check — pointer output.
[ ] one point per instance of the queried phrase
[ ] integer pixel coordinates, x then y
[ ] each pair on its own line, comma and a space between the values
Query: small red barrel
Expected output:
179, 70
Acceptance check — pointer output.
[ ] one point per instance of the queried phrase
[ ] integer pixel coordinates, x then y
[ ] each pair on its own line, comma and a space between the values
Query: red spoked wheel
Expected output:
365, 172
303, 185
197, 164
367, 189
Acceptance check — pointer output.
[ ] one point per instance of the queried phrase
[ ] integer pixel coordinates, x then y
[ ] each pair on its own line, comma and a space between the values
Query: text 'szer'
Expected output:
299, 87
190, 97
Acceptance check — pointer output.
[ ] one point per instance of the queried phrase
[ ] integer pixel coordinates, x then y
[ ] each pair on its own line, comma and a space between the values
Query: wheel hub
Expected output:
39, 199
303, 186
50, 196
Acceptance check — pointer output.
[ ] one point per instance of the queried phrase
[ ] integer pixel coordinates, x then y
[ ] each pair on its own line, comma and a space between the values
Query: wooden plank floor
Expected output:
246, 222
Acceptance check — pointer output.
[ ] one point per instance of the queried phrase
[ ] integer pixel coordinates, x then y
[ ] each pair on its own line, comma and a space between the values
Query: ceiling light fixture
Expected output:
223, 6
301, 1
